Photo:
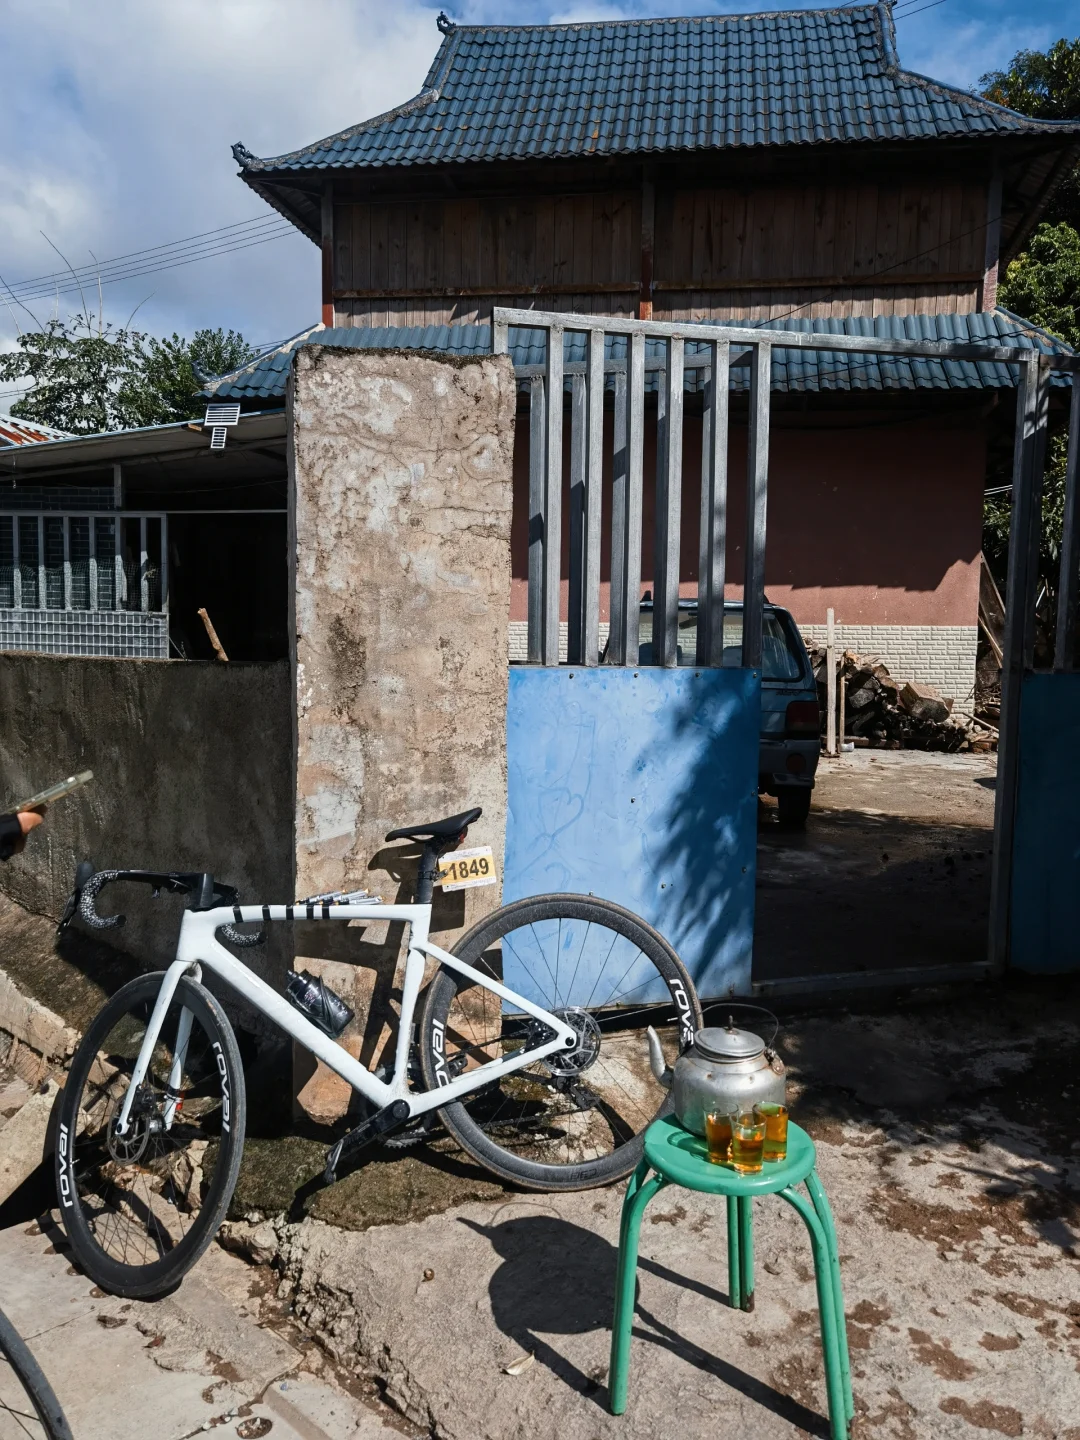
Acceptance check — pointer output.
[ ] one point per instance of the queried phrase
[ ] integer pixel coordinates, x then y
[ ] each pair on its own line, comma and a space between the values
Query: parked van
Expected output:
790, 719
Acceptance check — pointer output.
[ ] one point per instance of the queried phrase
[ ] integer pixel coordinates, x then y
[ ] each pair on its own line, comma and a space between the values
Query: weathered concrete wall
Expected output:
402, 468
401, 471
192, 771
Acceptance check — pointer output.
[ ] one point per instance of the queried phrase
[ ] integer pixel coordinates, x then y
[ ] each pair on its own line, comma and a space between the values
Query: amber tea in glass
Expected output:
747, 1142
776, 1118
718, 1137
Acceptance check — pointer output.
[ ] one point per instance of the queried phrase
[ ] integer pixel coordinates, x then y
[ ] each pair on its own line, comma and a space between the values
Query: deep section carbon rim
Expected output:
141, 1206
28, 1408
575, 1118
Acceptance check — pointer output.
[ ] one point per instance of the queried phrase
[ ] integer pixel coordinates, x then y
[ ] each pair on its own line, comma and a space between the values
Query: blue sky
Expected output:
116, 118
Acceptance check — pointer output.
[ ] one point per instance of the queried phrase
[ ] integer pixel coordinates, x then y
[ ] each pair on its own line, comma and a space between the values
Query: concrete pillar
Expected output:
401, 486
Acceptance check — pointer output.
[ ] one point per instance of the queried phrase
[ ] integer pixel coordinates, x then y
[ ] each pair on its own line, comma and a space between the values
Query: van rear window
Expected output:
781, 657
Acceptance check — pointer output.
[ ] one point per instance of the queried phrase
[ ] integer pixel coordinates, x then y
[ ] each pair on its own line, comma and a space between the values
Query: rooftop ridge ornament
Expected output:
444, 24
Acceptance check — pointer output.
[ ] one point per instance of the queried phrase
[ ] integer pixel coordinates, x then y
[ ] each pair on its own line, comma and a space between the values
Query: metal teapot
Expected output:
725, 1069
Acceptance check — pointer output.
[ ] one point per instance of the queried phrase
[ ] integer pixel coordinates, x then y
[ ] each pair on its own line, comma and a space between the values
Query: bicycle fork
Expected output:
146, 1050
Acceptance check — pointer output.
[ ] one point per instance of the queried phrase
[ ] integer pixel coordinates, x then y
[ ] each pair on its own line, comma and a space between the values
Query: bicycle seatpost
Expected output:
425, 876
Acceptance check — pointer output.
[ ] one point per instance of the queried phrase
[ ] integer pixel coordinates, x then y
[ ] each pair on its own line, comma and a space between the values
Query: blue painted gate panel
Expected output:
641, 787
1044, 933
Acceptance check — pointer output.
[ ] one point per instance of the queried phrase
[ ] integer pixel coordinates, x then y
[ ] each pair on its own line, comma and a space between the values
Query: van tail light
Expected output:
803, 718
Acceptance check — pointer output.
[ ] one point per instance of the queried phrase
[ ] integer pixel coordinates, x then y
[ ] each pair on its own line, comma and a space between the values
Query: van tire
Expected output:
794, 807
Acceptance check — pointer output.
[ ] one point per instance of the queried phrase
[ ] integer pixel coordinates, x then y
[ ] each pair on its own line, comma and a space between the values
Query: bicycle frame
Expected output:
199, 946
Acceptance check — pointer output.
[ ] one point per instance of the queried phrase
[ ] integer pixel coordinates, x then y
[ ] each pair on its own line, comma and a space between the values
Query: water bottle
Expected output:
314, 998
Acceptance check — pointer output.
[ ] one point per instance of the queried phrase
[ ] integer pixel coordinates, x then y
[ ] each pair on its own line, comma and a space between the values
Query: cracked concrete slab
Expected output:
196, 1361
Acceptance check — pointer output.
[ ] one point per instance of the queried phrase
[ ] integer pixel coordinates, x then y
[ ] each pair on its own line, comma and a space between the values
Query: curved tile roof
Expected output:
503, 92
263, 380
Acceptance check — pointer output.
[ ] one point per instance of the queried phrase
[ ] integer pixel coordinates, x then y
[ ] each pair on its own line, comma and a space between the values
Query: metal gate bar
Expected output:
1069, 579
711, 365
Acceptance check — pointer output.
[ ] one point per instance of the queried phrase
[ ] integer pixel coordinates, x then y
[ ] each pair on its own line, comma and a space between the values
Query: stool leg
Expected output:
625, 1279
746, 1251
824, 1214
734, 1262
830, 1342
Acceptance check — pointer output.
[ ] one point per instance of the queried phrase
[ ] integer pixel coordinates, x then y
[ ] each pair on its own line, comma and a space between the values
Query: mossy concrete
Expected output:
283, 1176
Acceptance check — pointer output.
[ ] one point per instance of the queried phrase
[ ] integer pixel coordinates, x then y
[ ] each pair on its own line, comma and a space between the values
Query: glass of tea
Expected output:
718, 1136
747, 1141
776, 1118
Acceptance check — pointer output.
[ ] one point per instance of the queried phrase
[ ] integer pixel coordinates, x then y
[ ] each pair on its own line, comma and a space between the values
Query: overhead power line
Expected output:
223, 241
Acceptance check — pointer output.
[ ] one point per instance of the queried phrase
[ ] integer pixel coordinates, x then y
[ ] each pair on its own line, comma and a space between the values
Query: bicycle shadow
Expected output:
557, 1278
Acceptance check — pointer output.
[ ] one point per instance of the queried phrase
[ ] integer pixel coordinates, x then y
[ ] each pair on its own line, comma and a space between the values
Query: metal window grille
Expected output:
84, 584
682, 356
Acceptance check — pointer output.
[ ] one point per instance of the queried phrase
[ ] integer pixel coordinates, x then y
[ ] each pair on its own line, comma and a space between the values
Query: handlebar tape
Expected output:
90, 893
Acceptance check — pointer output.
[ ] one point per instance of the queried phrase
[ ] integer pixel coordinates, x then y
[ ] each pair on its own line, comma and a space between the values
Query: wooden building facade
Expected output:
774, 167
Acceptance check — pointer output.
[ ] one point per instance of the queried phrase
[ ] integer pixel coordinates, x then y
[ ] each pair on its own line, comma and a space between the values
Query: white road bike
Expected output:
550, 1089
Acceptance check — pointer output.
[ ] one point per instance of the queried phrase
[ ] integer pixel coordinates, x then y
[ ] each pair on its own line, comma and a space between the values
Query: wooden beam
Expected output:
328, 254
989, 285
648, 243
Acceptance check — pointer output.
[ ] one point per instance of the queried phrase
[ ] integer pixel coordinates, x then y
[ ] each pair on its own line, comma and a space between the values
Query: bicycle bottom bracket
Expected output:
585, 1051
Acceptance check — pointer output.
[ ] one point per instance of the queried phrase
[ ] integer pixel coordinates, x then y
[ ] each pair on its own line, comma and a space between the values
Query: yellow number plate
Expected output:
462, 869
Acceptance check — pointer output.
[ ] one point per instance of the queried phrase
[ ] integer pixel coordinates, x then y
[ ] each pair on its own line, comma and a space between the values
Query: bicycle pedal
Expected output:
389, 1118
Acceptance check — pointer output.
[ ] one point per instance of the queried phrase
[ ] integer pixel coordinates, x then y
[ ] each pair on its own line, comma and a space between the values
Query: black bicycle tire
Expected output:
146, 1282
32, 1378
529, 1173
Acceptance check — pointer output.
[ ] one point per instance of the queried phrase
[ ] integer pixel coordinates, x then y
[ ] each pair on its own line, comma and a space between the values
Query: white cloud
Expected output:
116, 124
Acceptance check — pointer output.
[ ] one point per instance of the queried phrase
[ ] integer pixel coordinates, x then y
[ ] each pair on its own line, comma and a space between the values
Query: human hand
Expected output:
28, 820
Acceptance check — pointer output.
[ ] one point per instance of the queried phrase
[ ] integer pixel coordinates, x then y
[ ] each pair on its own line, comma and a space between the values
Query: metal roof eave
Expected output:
149, 443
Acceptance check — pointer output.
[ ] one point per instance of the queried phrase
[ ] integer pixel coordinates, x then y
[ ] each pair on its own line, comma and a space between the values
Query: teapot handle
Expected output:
725, 1005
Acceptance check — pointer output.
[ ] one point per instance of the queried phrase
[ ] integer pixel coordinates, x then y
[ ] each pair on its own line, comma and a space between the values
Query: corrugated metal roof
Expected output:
264, 379
27, 432
797, 77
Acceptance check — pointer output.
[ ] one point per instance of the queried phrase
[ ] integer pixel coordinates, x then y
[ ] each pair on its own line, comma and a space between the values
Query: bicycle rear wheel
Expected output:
140, 1208
575, 1119
28, 1408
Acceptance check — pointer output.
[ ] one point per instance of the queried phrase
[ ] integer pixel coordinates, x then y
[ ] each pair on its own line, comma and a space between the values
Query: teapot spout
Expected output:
662, 1072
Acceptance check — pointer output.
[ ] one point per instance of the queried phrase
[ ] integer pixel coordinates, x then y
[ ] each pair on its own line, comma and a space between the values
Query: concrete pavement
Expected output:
196, 1361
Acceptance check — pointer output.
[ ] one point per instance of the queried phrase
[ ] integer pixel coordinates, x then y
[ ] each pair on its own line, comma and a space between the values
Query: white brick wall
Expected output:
519, 639
939, 655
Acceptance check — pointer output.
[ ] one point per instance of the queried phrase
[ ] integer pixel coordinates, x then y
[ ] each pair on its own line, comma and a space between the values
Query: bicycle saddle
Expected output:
447, 829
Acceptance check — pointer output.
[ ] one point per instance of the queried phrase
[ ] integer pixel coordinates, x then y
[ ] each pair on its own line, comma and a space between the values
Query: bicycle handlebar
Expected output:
209, 895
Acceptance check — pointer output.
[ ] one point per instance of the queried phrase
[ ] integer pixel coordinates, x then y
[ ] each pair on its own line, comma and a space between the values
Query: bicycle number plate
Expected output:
462, 869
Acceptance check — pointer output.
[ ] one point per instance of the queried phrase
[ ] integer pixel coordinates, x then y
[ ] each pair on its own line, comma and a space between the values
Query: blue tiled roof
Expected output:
797, 77
263, 380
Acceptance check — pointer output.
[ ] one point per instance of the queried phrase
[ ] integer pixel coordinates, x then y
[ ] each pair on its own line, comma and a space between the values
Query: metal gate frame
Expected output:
728, 346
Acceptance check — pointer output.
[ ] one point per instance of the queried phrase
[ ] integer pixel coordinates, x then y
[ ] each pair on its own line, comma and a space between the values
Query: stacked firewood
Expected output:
889, 714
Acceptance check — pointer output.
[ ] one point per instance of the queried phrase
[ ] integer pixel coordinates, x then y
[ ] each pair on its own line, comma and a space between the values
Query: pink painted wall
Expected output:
880, 519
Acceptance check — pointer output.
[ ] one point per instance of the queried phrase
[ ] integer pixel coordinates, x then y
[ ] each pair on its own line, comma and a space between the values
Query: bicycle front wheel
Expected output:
140, 1208
576, 1119
28, 1407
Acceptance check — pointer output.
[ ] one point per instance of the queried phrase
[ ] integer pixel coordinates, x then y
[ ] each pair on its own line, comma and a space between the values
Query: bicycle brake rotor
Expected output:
573, 1062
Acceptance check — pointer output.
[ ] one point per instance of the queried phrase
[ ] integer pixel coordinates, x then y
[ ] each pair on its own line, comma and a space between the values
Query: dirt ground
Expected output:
893, 869
948, 1143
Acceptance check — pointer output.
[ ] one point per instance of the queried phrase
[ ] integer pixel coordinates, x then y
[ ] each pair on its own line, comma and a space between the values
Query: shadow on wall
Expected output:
639, 786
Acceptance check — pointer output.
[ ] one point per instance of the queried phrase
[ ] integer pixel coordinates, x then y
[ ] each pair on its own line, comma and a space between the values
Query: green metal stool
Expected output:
680, 1158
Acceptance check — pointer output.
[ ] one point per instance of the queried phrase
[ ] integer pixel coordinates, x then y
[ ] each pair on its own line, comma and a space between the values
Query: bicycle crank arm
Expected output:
389, 1118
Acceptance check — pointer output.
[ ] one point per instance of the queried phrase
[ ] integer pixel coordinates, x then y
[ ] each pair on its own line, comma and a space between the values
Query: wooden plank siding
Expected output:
888, 248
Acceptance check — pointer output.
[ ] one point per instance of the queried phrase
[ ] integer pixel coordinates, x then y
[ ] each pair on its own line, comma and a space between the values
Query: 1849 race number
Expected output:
462, 869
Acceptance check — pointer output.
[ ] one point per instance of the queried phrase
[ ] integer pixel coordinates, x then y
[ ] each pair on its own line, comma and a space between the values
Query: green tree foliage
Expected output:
1043, 285
170, 371
1045, 84
87, 376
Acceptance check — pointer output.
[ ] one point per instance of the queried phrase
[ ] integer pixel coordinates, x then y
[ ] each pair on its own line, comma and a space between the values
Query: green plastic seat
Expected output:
674, 1156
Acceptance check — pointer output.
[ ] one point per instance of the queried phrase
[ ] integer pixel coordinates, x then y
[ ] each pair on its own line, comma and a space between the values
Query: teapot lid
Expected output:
728, 1044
